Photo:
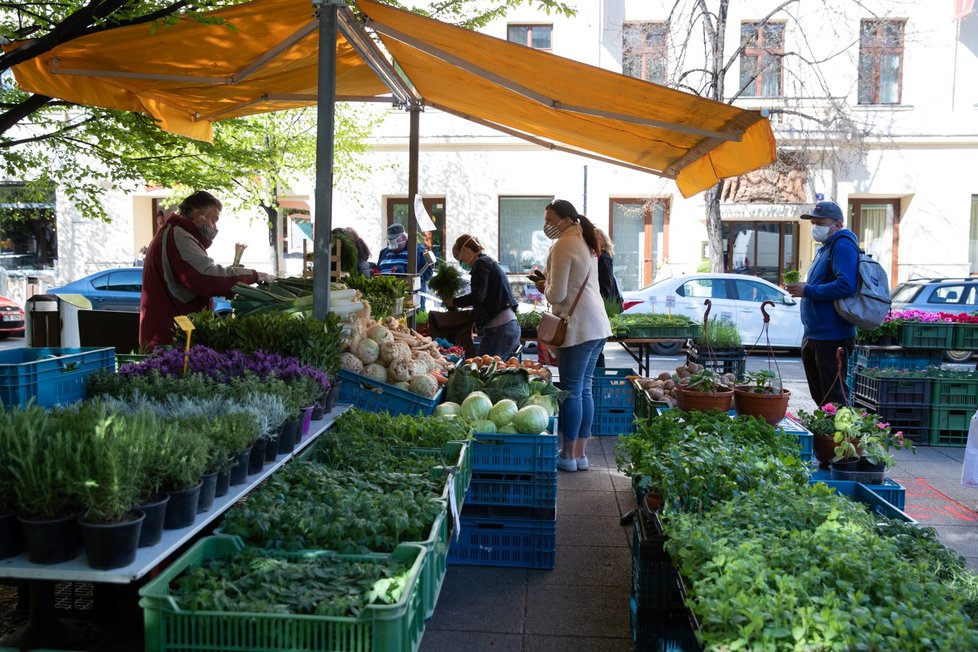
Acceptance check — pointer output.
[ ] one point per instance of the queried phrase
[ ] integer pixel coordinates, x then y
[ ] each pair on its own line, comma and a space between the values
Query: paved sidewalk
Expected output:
582, 605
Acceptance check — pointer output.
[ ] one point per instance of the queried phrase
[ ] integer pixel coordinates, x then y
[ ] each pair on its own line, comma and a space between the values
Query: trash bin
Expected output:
43, 327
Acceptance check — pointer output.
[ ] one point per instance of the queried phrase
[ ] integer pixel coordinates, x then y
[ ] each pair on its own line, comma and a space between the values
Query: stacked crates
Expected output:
659, 618
510, 512
720, 361
874, 357
904, 403
954, 401
614, 402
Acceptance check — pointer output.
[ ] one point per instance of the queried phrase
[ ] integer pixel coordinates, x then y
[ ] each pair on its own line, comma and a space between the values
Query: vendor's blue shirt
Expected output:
396, 262
833, 275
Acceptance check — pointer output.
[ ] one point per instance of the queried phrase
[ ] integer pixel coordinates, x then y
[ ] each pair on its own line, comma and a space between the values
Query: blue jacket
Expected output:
395, 262
833, 275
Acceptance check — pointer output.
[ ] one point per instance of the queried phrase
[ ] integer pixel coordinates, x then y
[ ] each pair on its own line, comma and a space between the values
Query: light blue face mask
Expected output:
465, 267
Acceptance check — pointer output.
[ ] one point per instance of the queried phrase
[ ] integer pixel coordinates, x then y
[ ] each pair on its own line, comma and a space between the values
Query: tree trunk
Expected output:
273, 244
714, 227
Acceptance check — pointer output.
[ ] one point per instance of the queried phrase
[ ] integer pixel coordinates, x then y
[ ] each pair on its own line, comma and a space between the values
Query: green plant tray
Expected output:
380, 628
658, 332
964, 337
926, 335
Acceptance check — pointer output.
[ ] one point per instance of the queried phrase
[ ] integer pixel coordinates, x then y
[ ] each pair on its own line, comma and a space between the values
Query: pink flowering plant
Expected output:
856, 433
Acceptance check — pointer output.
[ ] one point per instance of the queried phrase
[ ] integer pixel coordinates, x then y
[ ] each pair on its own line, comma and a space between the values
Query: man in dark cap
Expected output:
833, 275
393, 258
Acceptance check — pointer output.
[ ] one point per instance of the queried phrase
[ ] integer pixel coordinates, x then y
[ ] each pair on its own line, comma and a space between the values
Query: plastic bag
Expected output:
969, 472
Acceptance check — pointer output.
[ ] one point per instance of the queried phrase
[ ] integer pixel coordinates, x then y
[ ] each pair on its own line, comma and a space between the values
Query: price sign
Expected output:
651, 302
670, 303
183, 323
726, 316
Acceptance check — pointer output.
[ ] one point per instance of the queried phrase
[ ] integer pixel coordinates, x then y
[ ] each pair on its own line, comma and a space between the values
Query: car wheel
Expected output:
958, 356
667, 348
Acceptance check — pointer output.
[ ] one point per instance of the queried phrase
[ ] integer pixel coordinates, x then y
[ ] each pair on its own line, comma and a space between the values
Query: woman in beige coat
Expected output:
572, 264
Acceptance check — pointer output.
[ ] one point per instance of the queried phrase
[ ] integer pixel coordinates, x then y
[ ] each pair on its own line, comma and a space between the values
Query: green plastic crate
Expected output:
954, 392
949, 425
932, 335
964, 337
380, 628
645, 408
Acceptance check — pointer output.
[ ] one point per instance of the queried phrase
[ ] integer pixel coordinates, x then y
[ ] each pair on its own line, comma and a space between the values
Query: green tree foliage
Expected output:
84, 150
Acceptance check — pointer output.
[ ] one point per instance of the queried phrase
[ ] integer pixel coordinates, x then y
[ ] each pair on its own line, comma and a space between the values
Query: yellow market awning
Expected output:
262, 56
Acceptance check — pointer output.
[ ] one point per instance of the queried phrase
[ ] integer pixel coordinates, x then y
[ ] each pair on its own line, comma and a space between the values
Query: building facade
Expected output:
873, 104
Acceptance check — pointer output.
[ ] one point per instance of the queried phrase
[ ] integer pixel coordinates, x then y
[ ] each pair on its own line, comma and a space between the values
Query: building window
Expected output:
523, 245
645, 51
640, 231
880, 61
533, 36
973, 245
397, 213
28, 226
760, 61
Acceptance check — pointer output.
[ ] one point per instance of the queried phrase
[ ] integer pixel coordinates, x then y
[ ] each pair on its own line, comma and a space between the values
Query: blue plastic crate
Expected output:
613, 421
893, 358
611, 388
538, 490
520, 543
373, 396
508, 453
890, 491
806, 440
49, 376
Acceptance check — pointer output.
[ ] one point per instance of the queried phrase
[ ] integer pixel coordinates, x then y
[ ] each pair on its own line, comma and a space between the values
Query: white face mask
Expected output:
551, 230
820, 233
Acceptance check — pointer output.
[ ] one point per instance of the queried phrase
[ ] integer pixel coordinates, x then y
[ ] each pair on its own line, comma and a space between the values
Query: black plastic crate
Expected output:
671, 628
912, 420
723, 361
877, 390
655, 582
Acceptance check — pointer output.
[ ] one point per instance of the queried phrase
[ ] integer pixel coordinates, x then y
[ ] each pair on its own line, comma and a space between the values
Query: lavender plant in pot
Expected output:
44, 469
110, 525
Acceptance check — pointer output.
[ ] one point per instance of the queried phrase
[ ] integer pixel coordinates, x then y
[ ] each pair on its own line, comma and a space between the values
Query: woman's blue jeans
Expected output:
501, 340
576, 367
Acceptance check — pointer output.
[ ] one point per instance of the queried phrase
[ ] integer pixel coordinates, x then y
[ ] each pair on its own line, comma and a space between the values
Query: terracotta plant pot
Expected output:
823, 447
704, 401
770, 407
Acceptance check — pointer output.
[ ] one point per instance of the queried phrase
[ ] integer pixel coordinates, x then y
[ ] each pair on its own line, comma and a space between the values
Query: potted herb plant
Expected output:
184, 461
762, 396
44, 468
528, 321
110, 525
821, 423
11, 540
701, 389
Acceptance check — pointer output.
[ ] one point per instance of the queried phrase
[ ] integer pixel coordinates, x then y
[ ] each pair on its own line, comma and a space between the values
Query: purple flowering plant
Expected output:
225, 367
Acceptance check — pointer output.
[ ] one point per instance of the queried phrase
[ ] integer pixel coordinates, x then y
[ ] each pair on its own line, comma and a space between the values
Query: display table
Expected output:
641, 349
42, 577
77, 570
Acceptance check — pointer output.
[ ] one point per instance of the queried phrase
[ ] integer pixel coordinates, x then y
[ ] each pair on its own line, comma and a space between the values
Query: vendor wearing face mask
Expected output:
833, 275
393, 258
491, 298
178, 276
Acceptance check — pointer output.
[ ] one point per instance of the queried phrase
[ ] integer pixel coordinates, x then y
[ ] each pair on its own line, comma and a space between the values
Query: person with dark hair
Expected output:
607, 283
571, 275
491, 298
365, 266
178, 276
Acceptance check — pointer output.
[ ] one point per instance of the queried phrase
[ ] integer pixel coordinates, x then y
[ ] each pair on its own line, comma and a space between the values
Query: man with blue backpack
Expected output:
834, 275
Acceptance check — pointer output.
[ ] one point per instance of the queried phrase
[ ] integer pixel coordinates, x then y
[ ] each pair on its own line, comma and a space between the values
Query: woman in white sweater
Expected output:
572, 264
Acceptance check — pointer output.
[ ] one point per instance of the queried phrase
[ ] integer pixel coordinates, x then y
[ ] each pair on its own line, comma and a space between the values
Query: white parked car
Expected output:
736, 298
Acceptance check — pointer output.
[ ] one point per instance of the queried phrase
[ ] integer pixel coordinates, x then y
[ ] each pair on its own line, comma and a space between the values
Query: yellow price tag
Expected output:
183, 323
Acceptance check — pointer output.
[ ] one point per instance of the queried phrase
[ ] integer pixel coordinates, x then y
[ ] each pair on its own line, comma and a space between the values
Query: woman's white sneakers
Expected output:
578, 464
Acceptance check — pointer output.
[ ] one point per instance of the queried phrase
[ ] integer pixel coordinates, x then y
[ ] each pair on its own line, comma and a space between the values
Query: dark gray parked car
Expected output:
952, 295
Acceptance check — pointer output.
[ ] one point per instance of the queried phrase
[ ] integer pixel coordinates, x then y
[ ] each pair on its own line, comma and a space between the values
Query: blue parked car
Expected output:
118, 289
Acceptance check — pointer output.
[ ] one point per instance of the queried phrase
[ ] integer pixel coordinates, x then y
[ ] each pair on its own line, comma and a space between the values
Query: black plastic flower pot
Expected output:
11, 539
208, 489
239, 472
51, 540
223, 484
112, 545
181, 511
271, 449
257, 458
154, 511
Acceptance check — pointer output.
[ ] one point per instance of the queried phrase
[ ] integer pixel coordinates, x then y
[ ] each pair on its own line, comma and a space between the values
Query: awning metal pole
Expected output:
325, 123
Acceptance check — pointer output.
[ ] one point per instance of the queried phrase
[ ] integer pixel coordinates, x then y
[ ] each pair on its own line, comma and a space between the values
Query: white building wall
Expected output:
922, 151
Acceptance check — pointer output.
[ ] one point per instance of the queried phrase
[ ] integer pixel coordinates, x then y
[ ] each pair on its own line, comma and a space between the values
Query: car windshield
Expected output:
905, 292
